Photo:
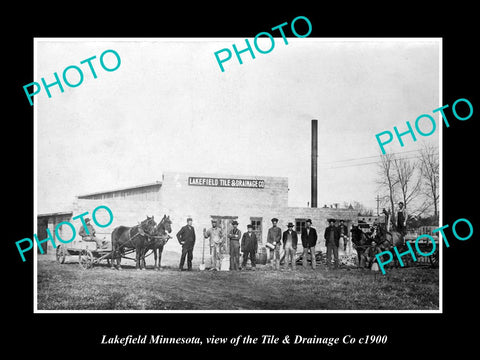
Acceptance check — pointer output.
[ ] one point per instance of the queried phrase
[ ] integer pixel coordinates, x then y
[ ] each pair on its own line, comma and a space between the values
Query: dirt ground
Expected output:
68, 287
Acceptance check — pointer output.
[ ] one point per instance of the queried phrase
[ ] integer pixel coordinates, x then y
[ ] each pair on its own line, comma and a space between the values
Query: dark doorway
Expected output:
225, 223
42, 225
257, 228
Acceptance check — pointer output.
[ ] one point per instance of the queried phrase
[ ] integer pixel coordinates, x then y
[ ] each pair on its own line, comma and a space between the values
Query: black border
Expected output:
409, 334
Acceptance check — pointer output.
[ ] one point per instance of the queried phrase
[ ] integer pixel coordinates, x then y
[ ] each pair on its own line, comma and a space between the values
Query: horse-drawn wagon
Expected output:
139, 239
426, 251
425, 246
86, 251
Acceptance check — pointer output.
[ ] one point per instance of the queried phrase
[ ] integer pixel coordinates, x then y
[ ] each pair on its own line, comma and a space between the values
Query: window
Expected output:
257, 227
300, 225
257, 224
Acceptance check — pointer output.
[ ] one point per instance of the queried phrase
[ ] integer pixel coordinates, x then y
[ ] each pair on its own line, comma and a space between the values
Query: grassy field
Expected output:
68, 287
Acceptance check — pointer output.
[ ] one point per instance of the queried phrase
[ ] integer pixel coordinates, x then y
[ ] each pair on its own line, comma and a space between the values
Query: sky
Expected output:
168, 107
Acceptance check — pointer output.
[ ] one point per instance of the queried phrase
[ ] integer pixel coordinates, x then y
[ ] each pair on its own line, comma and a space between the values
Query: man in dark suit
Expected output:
332, 240
402, 219
290, 240
234, 235
370, 254
249, 247
309, 240
343, 230
186, 238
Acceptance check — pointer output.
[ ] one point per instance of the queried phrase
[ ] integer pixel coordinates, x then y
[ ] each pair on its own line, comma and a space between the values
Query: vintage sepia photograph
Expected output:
167, 183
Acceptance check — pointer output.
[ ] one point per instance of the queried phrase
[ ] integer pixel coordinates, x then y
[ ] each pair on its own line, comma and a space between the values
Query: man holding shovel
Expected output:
215, 234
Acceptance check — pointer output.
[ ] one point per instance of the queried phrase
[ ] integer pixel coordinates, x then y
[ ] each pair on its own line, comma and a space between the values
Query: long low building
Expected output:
249, 200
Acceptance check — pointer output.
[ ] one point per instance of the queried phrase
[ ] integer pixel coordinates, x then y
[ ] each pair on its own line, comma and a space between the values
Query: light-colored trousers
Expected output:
276, 255
93, 238
290, 254
216, 256
273, 254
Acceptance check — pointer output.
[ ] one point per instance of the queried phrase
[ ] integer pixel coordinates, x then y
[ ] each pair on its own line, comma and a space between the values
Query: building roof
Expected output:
60, 213
156, 183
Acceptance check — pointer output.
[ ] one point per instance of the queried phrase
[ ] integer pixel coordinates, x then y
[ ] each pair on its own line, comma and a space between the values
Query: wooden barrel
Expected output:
261, 257
225, 263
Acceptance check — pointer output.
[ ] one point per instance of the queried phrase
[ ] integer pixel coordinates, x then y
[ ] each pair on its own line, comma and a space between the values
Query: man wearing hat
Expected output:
186, 238
357, 236
290, 240
274, 241
332, 239
309, 240
234, 236
216, 241
89, 234
249, 247
370, 254
401, 219
343, 230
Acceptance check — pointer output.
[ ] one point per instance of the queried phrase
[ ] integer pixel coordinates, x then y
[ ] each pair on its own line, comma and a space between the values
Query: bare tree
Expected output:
429, 161
387, 181
408, 183
360, 208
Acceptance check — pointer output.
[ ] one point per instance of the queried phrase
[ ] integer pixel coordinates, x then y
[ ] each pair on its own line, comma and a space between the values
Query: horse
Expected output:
360, 243
158, 240
134, 237
387, 240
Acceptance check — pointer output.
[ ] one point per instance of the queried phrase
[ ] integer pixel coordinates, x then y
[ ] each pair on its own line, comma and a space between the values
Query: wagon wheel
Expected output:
434, 259
61, 254
85, 259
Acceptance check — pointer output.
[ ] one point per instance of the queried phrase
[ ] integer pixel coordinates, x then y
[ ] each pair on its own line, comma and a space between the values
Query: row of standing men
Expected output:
247, 244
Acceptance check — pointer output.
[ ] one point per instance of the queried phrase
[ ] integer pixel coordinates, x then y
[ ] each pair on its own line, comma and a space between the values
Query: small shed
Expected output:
50, 221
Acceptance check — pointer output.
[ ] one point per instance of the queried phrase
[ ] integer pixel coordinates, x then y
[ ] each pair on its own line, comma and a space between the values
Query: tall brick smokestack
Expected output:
314, 163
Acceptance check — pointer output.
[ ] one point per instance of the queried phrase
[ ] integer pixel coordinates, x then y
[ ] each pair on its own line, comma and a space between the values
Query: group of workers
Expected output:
247, 244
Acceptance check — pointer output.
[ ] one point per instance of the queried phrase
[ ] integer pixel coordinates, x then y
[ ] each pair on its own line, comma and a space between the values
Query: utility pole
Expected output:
378, 204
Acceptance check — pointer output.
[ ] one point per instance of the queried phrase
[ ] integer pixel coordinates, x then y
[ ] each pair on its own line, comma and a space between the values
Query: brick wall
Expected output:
319, 217
180, 200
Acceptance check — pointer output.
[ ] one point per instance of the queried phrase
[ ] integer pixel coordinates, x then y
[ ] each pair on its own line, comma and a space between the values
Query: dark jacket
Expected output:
401, 218
186, 237
294, 238
372, 251
344, 228
249, 242
336, 235
234, 234
357, 235
309, 240
274, 235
